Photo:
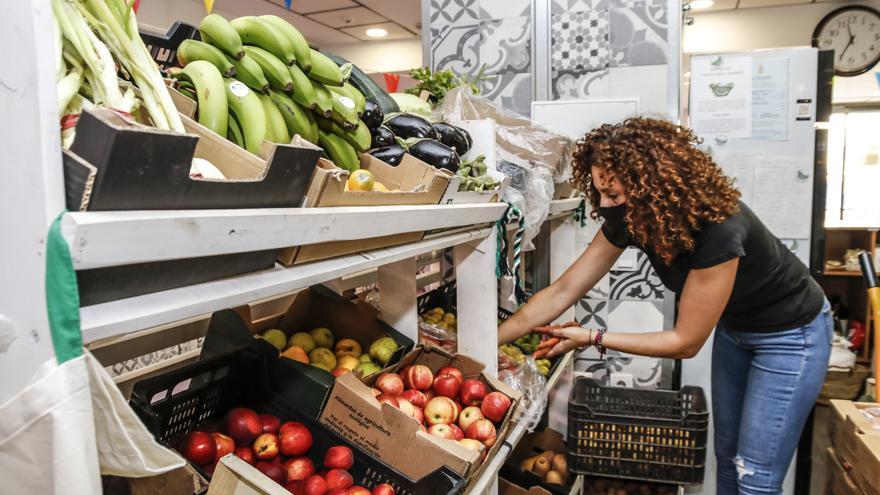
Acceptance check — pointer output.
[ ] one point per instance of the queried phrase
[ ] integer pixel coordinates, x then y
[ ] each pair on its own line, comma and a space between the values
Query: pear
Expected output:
559, 464
541, 467
528, 463
554, 478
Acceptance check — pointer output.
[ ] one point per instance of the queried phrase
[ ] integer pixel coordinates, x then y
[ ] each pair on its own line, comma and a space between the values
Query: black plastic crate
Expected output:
164, 48
651, 435
172, 404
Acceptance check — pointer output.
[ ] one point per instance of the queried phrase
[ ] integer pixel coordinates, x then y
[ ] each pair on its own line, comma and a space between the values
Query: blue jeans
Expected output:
764, 386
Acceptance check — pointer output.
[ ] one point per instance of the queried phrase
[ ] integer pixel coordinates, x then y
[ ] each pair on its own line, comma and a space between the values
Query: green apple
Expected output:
383, 349
367, 369
323, 337
276, 337
365, 358
302, 340
323, 358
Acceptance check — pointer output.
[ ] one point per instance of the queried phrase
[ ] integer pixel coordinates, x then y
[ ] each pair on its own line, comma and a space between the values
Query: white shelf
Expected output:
124, 316
558, 206
102, 239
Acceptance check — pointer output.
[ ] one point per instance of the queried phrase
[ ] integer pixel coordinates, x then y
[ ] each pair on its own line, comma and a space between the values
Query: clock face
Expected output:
854, 35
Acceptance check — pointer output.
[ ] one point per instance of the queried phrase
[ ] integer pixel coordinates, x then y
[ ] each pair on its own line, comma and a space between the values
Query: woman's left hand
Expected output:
563, 338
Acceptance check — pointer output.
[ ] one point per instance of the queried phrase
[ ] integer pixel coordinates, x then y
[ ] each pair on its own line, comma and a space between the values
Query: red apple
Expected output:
456, 431
383, 398
451, 370
224, 445
483, 431
270, 423
339, 457
199, 448
415, 397
243, 425
266, 446
406, 406
295, 487
338, 478
447, 386
419, 414
383, 489
299, 468
472, 392
358, 490
442, 431
296, 439
475, 445
429, 394
338, 491
246, 454
390, 384
468, 416
273, 470
418, 377
495, 406
337, 372
440, 410
315, 485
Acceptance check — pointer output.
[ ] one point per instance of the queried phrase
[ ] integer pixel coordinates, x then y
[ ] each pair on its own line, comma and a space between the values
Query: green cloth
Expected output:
62, 296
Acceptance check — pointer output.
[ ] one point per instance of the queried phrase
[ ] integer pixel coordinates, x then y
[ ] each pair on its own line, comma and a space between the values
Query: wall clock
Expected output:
853, 32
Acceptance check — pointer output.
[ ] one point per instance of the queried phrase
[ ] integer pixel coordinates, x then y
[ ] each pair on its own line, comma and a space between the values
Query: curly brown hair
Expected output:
672, 187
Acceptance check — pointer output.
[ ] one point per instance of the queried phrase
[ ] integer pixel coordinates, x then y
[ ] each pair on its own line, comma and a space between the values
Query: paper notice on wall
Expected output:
783, 197
770, 99
721, 96
740, 168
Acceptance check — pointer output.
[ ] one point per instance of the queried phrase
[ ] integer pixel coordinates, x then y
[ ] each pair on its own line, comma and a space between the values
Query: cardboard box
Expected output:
394, 437
839, 481
181, 481
532, 445
418, 183
312, 308
856, 441
507, 488
454, 196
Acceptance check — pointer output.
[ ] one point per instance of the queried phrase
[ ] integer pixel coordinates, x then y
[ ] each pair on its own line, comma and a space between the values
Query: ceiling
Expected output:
746, 4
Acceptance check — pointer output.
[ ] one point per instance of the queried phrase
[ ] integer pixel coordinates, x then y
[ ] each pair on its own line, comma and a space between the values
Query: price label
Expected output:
238, 89
348, 102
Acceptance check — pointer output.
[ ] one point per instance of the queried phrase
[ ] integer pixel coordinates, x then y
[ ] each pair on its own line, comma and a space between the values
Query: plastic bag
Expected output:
528, 381
439, 336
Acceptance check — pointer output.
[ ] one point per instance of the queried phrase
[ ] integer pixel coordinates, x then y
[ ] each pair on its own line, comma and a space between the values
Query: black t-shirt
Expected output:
773, 290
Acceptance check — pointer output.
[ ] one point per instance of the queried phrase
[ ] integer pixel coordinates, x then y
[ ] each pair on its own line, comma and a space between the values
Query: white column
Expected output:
31, 192
397, 296
477, 301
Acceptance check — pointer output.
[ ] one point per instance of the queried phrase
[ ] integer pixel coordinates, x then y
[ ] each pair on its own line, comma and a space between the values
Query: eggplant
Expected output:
467, 136
407, 125
382, 136
453, 137
436, 153
373, 115
392, 155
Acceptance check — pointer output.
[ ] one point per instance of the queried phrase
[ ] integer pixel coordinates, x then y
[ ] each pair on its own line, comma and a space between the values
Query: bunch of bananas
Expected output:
441, 318
255, 78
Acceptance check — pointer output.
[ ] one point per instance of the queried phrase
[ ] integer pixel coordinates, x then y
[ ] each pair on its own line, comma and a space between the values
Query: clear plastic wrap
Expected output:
527, 380
440, 336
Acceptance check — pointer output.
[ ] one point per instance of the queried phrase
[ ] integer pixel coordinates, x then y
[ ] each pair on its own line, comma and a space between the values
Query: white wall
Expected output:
774, 27
381, 56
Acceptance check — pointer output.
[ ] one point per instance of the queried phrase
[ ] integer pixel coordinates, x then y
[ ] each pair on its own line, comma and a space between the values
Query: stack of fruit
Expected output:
513, 355
446, 405
550, 466
279, 450
320, 349
256, 78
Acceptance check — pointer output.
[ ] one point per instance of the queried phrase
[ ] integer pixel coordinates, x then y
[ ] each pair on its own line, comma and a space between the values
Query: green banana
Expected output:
190, 50
344, 111
339, 151
313, 123
217, 31
300, 46
276, 126
297, 119
234, 132
257, 32
189, 93
323, 104
360, 103
248, 71
303, 90
208, 84
324, 70
359, 138
247, 109
274, 70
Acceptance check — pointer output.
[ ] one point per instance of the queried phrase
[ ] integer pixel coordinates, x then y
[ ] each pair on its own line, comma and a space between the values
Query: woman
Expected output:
655, 190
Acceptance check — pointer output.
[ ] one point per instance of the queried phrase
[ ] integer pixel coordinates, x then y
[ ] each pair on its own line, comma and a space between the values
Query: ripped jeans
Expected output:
763, 388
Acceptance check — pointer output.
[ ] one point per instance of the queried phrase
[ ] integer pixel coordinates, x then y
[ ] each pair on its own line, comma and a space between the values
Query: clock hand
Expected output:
851, 40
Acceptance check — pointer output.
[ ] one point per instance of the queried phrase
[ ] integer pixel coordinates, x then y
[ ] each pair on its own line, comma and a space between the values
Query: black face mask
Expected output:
615, 222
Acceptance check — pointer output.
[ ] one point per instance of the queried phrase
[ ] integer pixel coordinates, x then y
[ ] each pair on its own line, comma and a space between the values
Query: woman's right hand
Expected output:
563, 338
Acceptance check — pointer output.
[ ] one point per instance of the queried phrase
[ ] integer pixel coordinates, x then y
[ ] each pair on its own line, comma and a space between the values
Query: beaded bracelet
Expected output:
599, 346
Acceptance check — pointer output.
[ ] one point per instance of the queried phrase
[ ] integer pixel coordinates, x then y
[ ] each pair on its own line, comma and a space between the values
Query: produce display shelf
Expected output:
488, 477
102, 239
558, 208
116, 318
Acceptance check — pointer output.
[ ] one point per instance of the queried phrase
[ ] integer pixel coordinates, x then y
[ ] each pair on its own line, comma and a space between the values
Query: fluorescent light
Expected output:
701, 4
377, 33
